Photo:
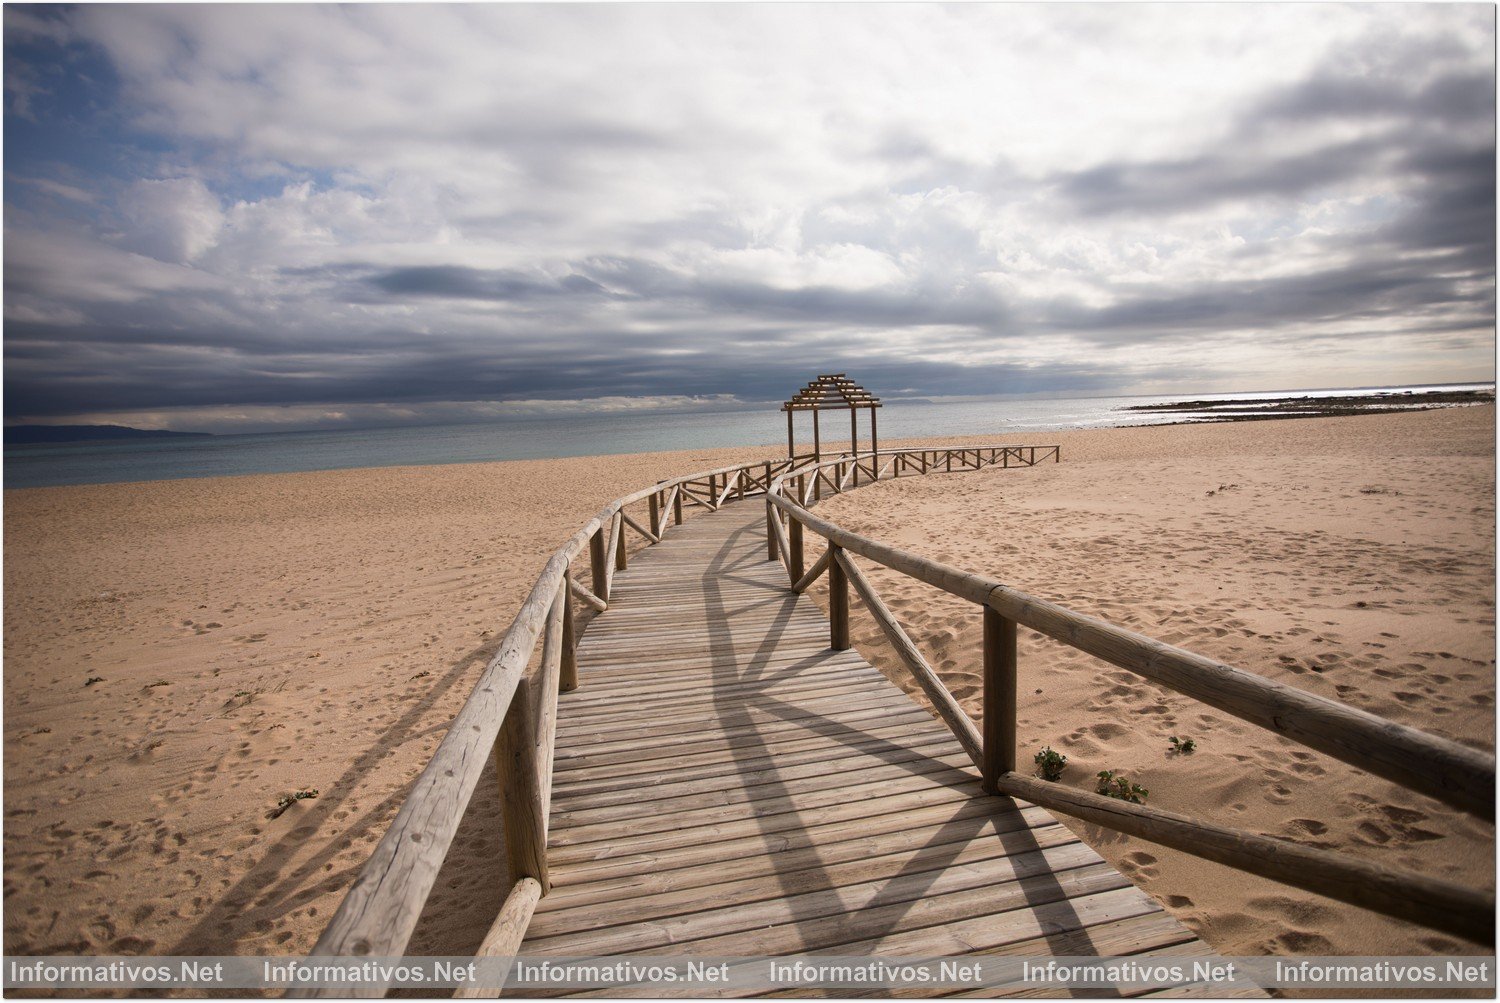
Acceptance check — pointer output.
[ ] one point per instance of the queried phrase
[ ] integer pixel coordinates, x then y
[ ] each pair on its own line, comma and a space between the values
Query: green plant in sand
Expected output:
1118, 787
287, 800
1050, 763
1182, 745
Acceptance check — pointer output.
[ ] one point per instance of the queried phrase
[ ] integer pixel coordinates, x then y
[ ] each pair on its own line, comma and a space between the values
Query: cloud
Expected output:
324, 210
172, 219
457, 282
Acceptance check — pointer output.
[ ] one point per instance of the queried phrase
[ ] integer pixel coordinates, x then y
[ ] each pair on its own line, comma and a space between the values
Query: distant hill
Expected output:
28, 434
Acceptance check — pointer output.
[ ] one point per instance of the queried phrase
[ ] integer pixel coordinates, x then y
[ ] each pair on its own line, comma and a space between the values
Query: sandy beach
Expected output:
1351, 557
256, 636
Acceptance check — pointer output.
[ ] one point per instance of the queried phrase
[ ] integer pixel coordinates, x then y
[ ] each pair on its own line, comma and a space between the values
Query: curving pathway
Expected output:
728, 785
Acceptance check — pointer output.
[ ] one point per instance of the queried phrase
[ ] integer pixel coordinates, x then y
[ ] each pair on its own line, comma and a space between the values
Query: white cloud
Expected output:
998, 184
171, 219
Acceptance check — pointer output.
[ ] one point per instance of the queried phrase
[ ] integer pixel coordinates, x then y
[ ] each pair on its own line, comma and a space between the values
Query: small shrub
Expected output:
287, 800
91, 680
1183, 745
1118, 787
1050, 763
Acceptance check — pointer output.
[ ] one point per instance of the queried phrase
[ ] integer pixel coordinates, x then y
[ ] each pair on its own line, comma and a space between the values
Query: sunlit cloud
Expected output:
294, 215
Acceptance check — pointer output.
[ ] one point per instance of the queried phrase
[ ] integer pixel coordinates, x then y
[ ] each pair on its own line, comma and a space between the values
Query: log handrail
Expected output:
379, 912
942, 700
513, 715
1438, 767
1424, 763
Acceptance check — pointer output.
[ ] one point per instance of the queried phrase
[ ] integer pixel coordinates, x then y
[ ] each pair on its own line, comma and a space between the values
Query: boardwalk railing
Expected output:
514, 712
1429, 765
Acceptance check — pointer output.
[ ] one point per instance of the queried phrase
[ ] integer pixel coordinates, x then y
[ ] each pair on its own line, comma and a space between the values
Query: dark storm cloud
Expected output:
735, 367
1180, 186
1463, 97
1364, 292
1427, 132
472, 283
521, 223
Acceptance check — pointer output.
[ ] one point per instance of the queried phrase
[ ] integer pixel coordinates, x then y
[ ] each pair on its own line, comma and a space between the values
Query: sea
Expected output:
558, 435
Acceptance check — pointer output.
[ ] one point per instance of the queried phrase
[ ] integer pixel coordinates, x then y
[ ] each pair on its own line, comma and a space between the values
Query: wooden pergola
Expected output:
829, 392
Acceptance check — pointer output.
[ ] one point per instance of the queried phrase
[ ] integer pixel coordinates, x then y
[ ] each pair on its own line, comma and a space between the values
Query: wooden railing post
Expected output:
655, 510
794, 540
596, 564
838, 601
999, 698
770, 529
620, 543
677, 507
520, 793
567, 679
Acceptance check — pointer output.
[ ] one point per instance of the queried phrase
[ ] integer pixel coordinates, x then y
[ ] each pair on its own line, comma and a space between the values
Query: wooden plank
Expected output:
717, 748
874, 738
765, 723
572, 844
610, 780
864, 916
928, 870
827, 850
773, 791
830, 905
854, 795
823, 678
735, 679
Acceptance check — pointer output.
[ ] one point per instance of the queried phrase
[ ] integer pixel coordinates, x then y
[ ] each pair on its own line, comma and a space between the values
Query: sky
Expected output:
239, 218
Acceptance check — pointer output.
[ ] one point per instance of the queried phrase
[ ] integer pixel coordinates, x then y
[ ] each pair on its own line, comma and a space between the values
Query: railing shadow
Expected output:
901, 891
273, 886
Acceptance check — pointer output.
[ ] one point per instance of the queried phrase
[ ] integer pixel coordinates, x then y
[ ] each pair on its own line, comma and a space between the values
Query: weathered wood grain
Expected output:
1463, 911
505, 935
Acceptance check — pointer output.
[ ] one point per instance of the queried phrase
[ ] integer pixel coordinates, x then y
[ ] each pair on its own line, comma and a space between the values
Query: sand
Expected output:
1351, 557
255, 636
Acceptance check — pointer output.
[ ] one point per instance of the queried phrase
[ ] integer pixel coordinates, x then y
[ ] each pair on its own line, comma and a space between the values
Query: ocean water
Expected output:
583, 435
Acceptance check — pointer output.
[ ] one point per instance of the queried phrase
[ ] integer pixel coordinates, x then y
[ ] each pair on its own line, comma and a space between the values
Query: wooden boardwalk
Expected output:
726, 784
